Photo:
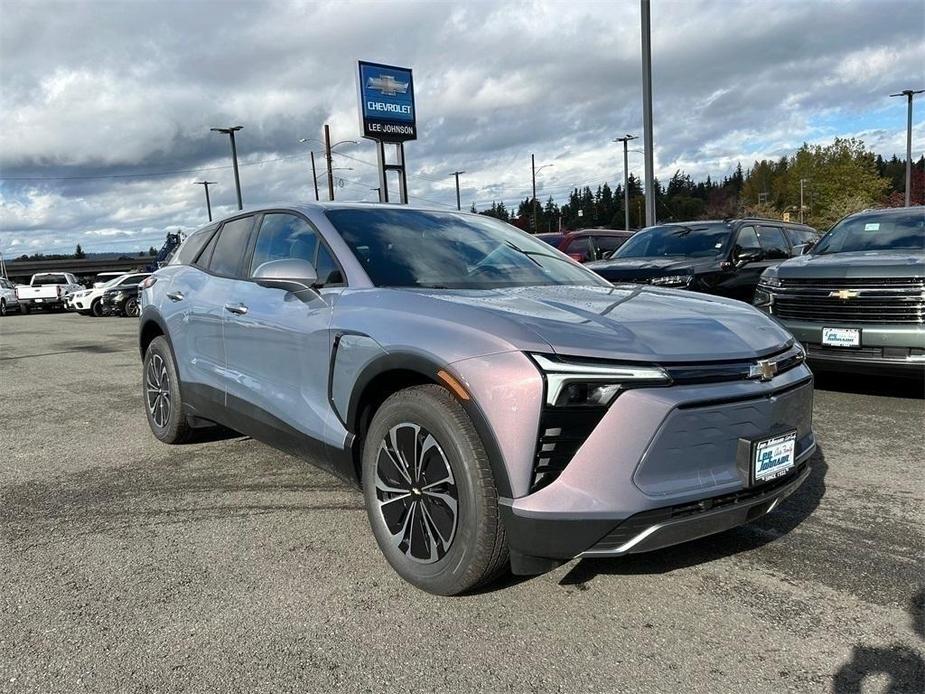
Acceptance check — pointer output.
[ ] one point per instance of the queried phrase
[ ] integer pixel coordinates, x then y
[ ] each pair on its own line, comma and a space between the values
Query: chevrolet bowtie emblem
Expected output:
763, 370
386, 84
845, 294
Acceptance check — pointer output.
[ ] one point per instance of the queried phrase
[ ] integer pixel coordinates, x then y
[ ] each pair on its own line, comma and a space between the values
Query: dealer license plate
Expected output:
38, 301
841, 337
774, 457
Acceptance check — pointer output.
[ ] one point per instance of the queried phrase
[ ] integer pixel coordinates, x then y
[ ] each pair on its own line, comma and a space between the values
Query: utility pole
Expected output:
234, 158
534, 171
802, 181
456, 173
909, 93
305, 141
206, 184
626, 179
647, 111
328, 150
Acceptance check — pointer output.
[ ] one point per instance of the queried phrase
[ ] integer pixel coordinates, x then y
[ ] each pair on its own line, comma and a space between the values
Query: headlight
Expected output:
587, 384
672, 280
769, 281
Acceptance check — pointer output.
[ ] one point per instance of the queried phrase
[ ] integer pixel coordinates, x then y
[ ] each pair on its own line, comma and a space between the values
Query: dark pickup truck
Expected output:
857, 301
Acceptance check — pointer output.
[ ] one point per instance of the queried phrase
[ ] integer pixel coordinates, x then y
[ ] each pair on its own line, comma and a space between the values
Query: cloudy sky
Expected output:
97, 97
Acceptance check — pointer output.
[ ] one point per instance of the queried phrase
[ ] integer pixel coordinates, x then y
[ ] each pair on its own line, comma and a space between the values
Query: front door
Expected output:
277, 346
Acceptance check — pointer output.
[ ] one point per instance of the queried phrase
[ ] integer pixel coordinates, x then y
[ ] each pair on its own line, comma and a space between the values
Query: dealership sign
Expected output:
386, 102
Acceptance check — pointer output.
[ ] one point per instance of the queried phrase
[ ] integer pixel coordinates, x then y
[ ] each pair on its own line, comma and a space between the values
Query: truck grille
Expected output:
873, 300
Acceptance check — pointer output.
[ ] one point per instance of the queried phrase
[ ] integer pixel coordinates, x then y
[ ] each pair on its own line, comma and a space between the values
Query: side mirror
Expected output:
289, 274
744, 257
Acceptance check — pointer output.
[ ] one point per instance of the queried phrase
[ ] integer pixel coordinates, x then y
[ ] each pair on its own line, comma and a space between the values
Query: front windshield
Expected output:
447, 250
687, 240
904, 231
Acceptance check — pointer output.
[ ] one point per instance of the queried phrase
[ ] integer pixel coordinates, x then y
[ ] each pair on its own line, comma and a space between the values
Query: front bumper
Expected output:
884, 347
665, 465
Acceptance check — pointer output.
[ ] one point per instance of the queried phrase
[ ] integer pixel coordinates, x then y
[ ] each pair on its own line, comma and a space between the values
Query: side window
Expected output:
580, 246
747, 240
230, 247
284, 236
328, 272
608, 244
774, 243
191, 247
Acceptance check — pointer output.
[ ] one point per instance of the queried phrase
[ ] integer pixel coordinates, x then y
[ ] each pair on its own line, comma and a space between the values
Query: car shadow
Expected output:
862, 384
791, 513
904, 666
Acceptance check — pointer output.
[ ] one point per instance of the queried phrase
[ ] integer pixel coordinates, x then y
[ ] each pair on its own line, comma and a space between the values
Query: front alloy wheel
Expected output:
131, 308
417, 493
430, 492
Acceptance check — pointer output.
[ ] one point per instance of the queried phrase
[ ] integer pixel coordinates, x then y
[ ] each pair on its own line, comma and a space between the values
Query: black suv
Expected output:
716, 257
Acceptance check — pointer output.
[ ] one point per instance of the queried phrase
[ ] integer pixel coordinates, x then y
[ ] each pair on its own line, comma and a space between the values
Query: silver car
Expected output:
500, 406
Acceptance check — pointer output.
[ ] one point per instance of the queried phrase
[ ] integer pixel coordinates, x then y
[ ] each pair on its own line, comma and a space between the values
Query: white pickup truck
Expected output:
46, 290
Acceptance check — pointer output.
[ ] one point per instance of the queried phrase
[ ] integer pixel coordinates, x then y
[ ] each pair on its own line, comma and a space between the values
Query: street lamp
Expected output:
234, 158
626, 178
909, 93
206, 185
306, 140
456, 174
647, 110
534, 172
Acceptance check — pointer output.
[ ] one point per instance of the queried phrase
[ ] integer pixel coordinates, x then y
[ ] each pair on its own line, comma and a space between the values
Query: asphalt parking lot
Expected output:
222, 565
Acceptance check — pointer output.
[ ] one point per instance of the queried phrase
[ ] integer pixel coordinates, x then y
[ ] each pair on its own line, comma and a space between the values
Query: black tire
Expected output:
476, 551
130, 308
159, 378
24, 308
2, 307
96, 308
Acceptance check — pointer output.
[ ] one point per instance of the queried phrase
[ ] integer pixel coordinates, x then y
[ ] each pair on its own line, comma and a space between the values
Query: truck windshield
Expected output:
690, 241
903, 231
39, 280
447, 250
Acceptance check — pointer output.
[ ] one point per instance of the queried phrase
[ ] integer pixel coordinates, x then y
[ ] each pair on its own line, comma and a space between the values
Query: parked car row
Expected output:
113, 293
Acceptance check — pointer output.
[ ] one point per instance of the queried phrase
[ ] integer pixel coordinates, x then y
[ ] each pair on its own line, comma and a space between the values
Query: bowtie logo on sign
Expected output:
387, 84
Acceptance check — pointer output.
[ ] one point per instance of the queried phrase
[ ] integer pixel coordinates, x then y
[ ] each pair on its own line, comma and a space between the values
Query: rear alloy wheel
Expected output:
131, 308
2, 307
96, 308
430, 493
163, 402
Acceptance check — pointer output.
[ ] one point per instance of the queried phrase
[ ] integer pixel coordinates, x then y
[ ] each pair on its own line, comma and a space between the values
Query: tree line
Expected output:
837, 179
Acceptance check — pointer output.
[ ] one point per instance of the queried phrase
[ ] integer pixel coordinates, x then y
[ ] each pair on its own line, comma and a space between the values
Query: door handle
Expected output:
175, 296
237, 309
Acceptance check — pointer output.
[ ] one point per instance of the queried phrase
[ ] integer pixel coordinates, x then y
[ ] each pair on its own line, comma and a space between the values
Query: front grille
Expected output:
878, 300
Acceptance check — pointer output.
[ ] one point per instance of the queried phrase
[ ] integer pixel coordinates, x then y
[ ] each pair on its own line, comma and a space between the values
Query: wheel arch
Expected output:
392, 372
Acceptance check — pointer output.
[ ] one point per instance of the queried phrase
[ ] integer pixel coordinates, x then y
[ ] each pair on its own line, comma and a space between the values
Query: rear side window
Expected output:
193, 245
773, 243
284, 236
607, 244
229, 249
747, 240
580, 246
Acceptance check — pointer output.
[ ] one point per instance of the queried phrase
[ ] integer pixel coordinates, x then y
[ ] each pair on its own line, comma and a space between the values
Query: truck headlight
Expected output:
592, 384
672, 280
769, 281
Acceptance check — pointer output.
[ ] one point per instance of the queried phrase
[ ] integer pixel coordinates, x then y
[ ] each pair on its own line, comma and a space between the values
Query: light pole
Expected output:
909, 93
206, 184
534, 171
328, 149
647, 111
306, 140
234, 158
456, 173
626, 179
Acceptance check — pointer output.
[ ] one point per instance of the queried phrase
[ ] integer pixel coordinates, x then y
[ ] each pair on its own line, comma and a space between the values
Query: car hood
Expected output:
640, 269
636, 323
859, 264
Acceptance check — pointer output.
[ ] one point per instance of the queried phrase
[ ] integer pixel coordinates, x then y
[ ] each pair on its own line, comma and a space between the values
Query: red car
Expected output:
585, 245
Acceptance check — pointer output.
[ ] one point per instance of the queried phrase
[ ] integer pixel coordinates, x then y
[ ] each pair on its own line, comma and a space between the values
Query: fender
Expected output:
428, 368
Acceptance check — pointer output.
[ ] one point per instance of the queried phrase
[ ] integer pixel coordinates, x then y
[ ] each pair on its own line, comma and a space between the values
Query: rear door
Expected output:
277, 345
579, 248
195, 311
